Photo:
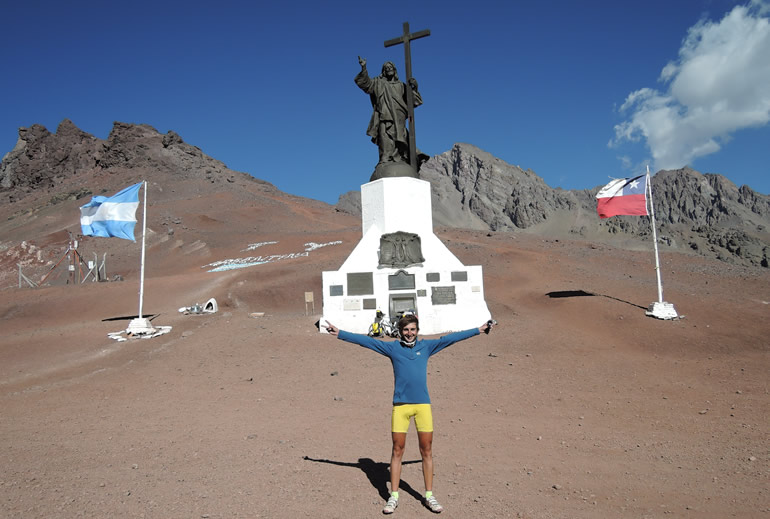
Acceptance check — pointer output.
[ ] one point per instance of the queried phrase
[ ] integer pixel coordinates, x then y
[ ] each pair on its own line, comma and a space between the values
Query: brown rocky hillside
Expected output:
577, 405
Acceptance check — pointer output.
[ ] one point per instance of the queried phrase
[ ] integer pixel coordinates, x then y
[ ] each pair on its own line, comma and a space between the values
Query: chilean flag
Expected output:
623, 196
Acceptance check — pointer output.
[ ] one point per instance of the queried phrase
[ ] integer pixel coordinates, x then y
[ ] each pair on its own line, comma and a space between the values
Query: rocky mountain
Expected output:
199, 211
698, 214
43, 160
695, 213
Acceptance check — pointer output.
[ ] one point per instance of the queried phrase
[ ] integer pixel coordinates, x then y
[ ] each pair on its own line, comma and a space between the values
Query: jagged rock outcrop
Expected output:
41, 159
708, 214
705, 214
502, 196
141, 146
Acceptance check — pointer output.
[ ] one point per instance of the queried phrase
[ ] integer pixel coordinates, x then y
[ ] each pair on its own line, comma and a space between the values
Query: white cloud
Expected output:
761, 6
719, 84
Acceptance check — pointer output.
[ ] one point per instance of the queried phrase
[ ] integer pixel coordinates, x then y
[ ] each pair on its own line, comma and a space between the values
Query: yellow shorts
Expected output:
402, 413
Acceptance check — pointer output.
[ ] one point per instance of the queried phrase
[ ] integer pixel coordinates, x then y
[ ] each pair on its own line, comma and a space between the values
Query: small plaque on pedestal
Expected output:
443, 296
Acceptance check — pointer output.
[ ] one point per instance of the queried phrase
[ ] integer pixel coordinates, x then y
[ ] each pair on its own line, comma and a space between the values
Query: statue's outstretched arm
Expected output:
362, 78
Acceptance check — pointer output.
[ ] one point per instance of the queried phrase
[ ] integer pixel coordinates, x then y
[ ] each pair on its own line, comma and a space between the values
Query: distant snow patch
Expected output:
250, 261
313, 246
258, 245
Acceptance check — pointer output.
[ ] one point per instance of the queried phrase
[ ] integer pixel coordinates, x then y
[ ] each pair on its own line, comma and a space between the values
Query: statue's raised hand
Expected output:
362, 62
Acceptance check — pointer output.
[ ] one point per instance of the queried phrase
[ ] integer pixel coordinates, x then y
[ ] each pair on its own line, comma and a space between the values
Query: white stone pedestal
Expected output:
662, 310
140, 326
445, 294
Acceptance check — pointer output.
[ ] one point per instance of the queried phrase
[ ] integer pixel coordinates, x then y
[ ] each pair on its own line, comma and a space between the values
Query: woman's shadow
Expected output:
377, 473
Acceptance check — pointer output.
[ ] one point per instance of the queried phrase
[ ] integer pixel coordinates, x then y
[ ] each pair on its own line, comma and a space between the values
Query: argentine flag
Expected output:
113, 216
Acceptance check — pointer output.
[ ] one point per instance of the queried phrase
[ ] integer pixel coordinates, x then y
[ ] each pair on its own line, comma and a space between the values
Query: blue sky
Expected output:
579, 92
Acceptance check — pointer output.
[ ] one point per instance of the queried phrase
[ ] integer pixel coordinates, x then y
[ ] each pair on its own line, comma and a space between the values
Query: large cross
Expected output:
406, 38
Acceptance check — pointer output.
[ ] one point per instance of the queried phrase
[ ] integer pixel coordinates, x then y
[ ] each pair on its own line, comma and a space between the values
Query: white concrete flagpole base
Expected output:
140, 327
662, 310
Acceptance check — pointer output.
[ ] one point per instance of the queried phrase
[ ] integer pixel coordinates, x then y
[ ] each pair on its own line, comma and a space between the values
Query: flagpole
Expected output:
660, 309
144, 236
654, 237
118, 224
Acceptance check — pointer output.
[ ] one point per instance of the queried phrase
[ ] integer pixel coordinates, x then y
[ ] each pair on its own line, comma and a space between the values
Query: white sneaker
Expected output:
433, 504
390, 506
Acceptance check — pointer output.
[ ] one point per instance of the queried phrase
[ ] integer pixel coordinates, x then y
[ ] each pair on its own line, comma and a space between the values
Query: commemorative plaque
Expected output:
443, 295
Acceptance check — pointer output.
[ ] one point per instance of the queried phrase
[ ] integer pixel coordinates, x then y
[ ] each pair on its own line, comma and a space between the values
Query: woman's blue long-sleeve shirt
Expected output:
410, 365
